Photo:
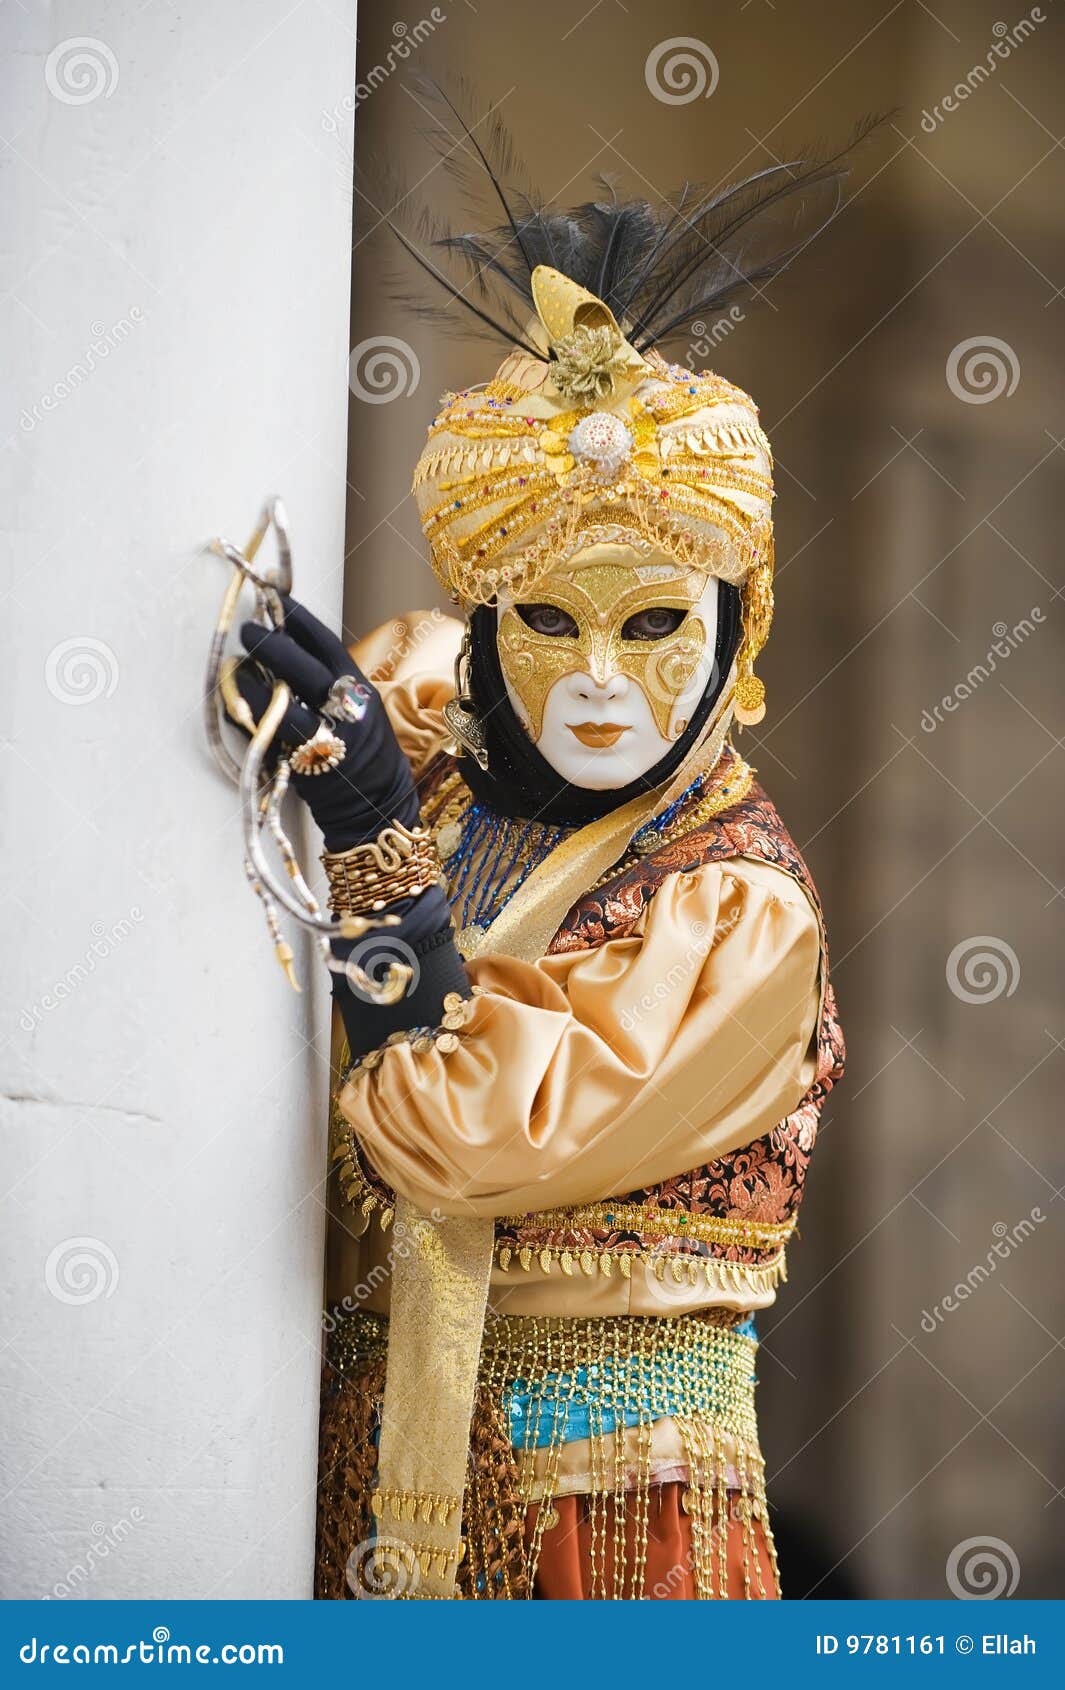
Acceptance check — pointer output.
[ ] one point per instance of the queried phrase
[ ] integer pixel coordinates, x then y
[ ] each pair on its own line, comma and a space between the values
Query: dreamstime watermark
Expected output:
678, 1577
702, 939
105, 941
382, 1569
407, 637
383, 368
103, 343
379, 960
81, 1270
1006, 42
707, 338
403, 1242
982, 1569
1005, 643
680, 70
981, 969
80, 70
982, 369
159, 1650
105, 1540
1007, 1240
669, 1274
407, 38
80, 670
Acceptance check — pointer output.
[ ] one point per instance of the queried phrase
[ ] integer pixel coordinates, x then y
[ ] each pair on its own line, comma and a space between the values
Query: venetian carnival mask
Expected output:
607, 659
596, 499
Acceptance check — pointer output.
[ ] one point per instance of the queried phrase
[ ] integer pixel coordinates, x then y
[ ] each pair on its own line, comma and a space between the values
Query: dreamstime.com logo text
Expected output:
1006, 641
105, 1541
1007, 1240
105, 941
407, 38
709, 336
1006, 41
689, 963
104, 341
158, 1649
400, 1248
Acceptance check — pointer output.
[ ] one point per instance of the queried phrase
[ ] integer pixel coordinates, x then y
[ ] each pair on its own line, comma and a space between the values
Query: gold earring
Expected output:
748, 697
467, 728
748, 700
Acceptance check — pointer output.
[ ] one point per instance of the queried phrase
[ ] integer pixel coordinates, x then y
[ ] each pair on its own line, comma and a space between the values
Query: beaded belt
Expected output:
561, 1377
607, 1380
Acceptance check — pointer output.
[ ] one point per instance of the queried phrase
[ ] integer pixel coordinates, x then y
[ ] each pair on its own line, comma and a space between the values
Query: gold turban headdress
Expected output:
595, 441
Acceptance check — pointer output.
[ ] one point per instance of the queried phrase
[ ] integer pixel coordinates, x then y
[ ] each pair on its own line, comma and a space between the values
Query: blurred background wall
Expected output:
907, 374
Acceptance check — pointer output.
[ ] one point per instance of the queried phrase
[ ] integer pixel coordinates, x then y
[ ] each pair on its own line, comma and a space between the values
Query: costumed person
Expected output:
573, 1152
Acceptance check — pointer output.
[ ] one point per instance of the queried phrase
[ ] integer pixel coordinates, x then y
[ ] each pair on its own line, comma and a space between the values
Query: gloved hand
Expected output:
374, 785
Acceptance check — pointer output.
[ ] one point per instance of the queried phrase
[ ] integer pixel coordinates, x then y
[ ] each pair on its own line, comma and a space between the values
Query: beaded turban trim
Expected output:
596, 443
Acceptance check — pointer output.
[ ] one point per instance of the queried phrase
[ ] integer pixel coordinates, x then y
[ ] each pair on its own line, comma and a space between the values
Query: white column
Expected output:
174, 313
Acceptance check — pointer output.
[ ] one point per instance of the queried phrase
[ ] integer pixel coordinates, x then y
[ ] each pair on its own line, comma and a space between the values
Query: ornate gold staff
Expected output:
261, 794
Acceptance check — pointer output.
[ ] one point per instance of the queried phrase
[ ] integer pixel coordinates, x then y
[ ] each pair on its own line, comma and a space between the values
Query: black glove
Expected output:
374, 785
371, 788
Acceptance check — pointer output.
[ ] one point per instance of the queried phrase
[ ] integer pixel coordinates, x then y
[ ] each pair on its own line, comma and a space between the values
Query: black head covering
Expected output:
520, 782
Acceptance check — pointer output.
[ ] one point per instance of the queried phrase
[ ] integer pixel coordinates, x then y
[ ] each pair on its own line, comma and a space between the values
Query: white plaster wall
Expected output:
163, 1090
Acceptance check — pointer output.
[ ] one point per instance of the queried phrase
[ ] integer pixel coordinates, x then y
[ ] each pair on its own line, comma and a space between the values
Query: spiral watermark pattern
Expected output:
982, 969
383, 368
80, 70
381, 1569
982, 1569
81, 670
981, 369
681, 70
667, 1276
371, 961
81, 1270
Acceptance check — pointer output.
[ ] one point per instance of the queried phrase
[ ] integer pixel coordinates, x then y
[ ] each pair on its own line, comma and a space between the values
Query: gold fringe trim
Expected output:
355, 1187
632, 1369
427, 1506
696, 1270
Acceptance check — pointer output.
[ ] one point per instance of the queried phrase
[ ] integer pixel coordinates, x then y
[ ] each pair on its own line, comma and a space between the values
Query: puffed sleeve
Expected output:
411, 662
599, 1072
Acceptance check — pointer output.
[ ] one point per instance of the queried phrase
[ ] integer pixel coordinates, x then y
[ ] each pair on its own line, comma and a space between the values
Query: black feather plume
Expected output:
658, 268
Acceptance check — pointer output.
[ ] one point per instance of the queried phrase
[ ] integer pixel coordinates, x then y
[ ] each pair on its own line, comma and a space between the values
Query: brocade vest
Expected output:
724, 1224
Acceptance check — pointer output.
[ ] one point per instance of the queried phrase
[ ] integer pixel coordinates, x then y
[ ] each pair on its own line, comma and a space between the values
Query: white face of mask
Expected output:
605, 663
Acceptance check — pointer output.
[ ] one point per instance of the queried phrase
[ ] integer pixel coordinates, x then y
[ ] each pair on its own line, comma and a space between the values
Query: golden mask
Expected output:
607, 587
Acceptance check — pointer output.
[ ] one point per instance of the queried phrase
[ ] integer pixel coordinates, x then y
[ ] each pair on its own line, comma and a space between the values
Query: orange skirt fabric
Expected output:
584, 1538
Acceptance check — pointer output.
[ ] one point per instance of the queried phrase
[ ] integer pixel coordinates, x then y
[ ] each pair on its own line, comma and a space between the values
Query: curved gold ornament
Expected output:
262, 794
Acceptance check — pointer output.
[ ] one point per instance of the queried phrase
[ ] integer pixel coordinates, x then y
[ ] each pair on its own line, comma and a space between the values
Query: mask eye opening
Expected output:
548, 620
676, 614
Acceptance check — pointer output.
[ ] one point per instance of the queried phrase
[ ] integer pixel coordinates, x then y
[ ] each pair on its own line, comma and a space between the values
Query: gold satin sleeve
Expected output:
604, 1071
411, 662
